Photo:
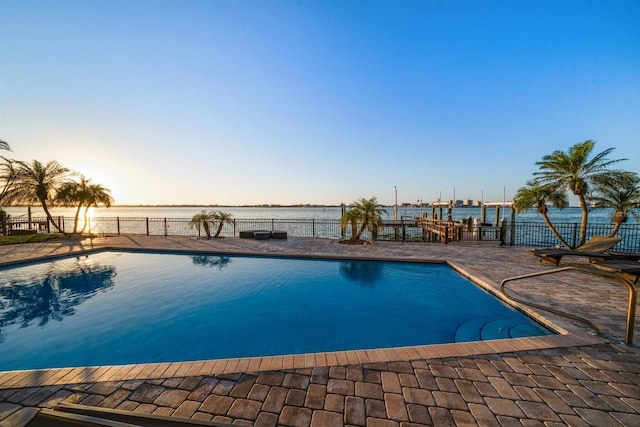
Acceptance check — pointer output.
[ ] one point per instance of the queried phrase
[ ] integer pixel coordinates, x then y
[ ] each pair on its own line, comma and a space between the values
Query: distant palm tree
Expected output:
83, 194
538, 196
222, 218
203, 219
367, 213
620, 191
39, 183
97, 196
71, 194
575, 171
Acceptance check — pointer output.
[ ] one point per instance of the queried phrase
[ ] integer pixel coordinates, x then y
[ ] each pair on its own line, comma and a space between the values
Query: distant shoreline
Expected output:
267, 206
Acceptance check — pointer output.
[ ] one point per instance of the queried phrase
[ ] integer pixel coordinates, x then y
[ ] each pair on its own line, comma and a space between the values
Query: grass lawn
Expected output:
28, 238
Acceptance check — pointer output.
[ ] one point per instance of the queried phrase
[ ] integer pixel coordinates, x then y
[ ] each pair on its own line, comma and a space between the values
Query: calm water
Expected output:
120, 308
569, 215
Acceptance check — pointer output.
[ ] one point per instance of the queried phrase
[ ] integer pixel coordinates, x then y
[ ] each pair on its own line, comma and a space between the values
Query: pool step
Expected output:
491, 328
66, 415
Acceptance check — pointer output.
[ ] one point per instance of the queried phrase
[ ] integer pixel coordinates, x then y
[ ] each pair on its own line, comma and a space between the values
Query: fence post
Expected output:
147, 226
313, 227
234, 227
165, 227
512, 241
503, 232
118, 224
404, 232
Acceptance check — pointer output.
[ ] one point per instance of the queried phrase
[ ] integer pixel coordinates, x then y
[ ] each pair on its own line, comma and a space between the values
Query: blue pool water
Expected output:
113, 308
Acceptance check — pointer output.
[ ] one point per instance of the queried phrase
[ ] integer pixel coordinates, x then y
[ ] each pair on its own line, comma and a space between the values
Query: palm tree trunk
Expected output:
362, 228
554, 231
219, 229
584, 219
49, 217
616, 227
84, 226
75, 223
205, 224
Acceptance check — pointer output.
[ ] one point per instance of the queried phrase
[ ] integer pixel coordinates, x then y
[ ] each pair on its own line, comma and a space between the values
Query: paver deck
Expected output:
573, 378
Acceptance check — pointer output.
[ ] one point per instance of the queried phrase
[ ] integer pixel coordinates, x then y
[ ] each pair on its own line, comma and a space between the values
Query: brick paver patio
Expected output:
571, 379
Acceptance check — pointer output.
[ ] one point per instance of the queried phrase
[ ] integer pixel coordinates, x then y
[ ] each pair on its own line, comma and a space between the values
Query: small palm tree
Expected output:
38, 183
222, 218
83, 194
71, 194
535, 195
350, 217
620, 191
366, 212
203, 219
576, 171
97, 195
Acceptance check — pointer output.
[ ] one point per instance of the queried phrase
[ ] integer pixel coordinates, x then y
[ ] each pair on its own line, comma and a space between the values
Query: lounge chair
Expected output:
628, 269
595, 249
622, 255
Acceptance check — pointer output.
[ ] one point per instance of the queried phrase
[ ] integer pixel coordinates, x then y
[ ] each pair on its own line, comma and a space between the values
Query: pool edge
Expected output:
59, 376
147, 371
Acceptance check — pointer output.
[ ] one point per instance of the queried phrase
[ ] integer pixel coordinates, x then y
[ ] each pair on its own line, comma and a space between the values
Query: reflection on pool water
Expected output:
114, 308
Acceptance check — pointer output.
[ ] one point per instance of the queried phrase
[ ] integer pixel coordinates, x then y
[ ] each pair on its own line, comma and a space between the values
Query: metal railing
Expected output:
423, 230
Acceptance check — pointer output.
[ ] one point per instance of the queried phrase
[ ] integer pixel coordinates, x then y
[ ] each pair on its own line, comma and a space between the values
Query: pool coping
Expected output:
146, 371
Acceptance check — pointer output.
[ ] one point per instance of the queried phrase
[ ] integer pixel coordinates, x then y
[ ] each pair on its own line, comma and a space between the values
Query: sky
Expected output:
321, 102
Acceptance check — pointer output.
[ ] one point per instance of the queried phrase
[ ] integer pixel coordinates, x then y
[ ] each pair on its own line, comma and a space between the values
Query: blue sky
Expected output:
251, 102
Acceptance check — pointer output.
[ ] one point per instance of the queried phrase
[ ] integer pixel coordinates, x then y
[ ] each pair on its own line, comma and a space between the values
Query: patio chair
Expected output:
628, 269
595, 249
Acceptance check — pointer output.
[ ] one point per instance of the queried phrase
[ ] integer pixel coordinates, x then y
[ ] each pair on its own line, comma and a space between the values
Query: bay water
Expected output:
568, 215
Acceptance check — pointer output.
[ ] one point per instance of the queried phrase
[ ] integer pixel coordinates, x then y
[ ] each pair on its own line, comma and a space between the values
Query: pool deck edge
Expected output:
147, 371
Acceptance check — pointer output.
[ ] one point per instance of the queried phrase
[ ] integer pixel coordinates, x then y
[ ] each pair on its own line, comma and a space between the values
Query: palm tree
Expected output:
7, 175
83, 194
366, 211
203, 219
535, 195
576, 171
222, 218
97, 196
7, 180
73, 193
350, 217
620, 191
38, 183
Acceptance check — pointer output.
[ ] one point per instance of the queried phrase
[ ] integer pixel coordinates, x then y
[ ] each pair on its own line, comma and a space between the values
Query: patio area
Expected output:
573, 378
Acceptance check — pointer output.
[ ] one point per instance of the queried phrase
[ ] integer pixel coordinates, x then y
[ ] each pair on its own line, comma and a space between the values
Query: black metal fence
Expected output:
425, 231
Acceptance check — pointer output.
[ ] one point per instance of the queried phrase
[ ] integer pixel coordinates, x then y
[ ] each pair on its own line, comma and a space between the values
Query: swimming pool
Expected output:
113, 308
